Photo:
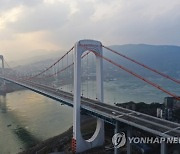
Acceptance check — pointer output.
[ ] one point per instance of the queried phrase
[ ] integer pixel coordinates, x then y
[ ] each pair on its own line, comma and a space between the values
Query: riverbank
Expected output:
53, 144
62, 142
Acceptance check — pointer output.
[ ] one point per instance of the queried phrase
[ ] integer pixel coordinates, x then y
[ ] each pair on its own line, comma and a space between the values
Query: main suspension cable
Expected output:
134, 74
143, 65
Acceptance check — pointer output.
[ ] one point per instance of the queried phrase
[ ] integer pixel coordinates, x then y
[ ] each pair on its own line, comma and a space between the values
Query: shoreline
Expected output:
62, 142
52, 144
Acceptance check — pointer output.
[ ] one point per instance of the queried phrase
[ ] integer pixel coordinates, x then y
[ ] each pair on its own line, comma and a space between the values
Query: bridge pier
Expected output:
78, 143
129, 133
163, 148
117, 130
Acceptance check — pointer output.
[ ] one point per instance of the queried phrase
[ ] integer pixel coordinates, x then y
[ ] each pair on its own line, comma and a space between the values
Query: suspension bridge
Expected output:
68, 69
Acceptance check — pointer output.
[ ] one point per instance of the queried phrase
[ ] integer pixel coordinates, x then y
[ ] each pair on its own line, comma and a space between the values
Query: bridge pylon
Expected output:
78, 143
2, 59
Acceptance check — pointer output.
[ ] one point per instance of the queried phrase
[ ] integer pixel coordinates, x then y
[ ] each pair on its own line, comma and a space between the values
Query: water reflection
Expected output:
3, 105
27, 118
26, 137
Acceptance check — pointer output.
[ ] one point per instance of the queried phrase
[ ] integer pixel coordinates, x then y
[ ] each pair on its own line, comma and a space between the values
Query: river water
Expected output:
27, 118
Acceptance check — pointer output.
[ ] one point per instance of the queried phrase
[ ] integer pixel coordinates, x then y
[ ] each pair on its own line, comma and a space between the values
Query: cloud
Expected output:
42, 17
10, 16
118, 22
59, 23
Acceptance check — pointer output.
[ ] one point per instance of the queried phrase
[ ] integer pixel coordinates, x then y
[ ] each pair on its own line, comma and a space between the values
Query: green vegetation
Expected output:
142, 107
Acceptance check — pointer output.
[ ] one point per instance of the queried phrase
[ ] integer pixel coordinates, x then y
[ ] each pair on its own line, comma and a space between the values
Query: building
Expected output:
171, 103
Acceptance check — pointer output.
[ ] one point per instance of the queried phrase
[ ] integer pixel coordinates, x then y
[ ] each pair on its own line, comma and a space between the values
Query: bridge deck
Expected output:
108, 112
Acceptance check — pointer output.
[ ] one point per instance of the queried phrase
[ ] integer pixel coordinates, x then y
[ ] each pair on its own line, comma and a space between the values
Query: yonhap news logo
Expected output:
119, 140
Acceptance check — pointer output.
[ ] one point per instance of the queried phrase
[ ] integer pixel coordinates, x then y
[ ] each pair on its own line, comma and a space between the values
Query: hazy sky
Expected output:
28, 27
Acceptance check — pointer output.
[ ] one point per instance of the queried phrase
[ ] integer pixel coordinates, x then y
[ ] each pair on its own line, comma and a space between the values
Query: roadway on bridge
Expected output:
108, 112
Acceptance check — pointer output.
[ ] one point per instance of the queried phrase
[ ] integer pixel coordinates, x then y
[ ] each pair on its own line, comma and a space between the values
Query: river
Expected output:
27, 118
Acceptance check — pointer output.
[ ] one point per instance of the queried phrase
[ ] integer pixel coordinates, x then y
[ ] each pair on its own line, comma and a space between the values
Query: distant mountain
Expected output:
42, 55
37, 62
164, 58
